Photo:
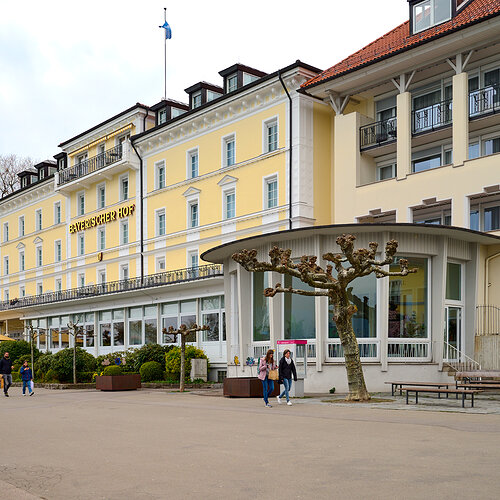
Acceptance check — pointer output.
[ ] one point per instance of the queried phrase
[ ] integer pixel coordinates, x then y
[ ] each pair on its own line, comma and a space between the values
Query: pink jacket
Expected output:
263, 368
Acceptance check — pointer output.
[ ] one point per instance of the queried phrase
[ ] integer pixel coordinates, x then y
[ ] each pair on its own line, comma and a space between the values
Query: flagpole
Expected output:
165, 52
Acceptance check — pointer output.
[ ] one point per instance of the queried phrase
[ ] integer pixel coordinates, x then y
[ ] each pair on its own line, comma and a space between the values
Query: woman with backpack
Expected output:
286, 370
266, 365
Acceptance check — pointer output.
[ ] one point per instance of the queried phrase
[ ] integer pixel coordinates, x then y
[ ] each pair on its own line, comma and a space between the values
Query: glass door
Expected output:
453, 333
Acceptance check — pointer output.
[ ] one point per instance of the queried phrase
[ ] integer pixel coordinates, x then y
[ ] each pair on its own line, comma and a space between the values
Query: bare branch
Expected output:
271, 292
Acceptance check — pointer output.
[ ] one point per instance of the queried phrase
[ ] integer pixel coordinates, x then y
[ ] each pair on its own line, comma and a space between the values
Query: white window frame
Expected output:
225, 194
39, 288
58, 284
159, 166
80, 203
266, 124
80, 248
57, 212
194, 96
224, 143
57, 251
22, 261
22, 291
432, 22
189, 155
189, 218
39, 255
5, 231
6, 265
6, 295
122, 191
100, 246
101, 275
269, 179
101, 187
190, 255
124, 272
81, 280
385, 165
38, 219
21, 226
124, 224
159, 267
158, 213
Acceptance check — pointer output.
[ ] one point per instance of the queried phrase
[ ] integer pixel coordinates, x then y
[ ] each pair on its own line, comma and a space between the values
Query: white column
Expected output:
403, 103
460, 118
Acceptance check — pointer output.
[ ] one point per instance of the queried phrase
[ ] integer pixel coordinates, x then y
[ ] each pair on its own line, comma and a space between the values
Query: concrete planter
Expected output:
127, 382
246, 387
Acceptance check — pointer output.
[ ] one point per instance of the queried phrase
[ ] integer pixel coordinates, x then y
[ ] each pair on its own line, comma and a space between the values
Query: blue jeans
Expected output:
287, 382
27, 383
267, 389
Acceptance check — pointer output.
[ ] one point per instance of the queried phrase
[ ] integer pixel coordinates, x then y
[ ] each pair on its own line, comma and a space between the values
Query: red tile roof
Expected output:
399, 40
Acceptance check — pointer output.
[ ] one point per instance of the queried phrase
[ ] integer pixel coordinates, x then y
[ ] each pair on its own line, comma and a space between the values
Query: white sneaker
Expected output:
24, 394
289, 403
279, 400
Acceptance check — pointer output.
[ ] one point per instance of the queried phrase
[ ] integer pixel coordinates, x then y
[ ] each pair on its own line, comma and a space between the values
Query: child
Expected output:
27, 377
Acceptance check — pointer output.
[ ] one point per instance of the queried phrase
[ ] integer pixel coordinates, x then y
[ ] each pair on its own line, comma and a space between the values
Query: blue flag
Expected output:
168, 30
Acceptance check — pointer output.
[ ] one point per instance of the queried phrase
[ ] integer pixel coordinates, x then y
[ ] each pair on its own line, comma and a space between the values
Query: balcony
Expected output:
110, 287
378, 133
106, 164
484, 101
433, 117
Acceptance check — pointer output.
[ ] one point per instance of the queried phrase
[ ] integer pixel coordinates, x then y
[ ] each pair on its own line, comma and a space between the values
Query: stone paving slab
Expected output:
151, 444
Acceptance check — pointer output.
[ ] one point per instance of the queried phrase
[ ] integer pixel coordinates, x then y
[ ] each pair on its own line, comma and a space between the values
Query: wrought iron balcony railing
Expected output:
432, 117
378, 133
484, 101
91, 165
151, 280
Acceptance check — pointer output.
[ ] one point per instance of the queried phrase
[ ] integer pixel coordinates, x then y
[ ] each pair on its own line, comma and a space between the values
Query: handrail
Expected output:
151, 280
91, 165
432, 117
487, 320
378, 133
457, 360
484, 101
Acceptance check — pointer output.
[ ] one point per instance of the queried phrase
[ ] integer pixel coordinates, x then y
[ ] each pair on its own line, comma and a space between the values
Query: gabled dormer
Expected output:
425, 14
167, 109
27, 178
202, 92
45, 169
238, 75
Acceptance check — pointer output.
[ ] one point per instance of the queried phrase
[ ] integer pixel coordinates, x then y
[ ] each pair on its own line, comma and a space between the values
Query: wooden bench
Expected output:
462, 392
478, 385
439, 385
485, 376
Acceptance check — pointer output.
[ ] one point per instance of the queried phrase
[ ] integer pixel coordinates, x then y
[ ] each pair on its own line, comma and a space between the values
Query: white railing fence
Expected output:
457, 360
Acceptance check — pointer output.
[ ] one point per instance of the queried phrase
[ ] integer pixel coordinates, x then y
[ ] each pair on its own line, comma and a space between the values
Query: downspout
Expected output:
290, 153
141, 198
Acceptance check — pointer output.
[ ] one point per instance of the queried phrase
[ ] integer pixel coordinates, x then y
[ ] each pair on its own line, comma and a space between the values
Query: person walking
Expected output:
265, 366
6, 371
286, 370
26, 377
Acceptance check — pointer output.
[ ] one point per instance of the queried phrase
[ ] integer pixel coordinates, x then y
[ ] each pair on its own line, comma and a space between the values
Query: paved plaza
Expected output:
151, 444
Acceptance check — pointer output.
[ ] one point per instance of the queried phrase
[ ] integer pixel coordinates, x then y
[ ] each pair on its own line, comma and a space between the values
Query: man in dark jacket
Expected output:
286, 370
6, 371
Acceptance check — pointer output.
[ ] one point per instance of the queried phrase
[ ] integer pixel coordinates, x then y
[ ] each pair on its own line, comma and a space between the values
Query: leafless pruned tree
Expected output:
348, 265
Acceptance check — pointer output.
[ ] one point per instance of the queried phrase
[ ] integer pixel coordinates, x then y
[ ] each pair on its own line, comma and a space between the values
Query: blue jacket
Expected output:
26, 374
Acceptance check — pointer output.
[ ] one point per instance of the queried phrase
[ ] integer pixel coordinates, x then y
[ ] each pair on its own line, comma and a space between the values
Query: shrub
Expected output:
111, 357
173, 359
15, 376
62, 363
150, 352
112, 370
51, 376
332, 390
151, 370
17, 348
84, 377
43, 364
39, 375
20, 360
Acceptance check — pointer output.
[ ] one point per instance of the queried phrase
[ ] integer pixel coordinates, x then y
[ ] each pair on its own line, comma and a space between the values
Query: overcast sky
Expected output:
66, 66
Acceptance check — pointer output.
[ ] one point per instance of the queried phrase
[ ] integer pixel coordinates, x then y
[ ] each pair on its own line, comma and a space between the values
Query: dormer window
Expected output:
248, 78
41, 173
177, 112
429, 13
231, 83
162, 116
197, 99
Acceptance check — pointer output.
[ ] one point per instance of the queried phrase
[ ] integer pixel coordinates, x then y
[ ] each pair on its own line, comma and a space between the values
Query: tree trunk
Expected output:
74, 360
183, 362
355, 376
